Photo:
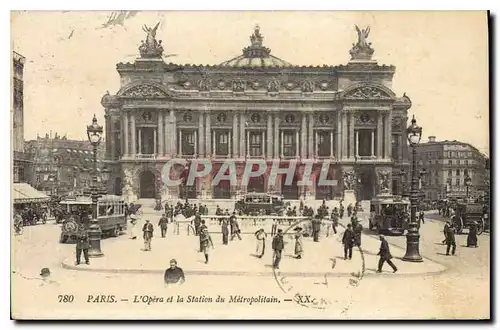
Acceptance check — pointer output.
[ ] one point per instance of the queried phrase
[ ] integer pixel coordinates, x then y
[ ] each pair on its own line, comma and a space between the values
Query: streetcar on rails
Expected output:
111, 215
255, 203
389, 215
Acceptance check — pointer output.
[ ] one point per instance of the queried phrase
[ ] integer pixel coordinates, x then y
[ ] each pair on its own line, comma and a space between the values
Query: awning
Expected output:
24, 193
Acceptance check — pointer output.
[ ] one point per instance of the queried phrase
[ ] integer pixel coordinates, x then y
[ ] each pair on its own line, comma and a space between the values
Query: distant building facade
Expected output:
447, 164
256, 106
62, 166
21, 163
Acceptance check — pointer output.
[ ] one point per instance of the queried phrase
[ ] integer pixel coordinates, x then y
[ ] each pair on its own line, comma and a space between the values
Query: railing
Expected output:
249, 224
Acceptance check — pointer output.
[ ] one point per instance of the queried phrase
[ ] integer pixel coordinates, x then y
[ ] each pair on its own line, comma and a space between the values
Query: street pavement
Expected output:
440, 287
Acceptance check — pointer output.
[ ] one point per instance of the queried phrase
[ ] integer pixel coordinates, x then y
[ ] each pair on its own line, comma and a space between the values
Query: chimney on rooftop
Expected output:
432, 139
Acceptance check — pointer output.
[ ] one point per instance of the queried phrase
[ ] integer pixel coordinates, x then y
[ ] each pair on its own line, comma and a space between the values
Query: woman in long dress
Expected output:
472, 237
261, 242
299, 246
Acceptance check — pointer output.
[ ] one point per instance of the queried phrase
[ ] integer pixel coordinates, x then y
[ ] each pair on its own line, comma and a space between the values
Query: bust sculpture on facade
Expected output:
362, 49
349, 180
151, 48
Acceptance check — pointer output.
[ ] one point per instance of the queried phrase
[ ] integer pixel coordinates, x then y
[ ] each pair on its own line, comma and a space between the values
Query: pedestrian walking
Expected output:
278, 245
421, 216
445, 231
274, 227
202, 228
299, 246
316, 227
206, 243
260, 235
197, 223
450, 240
163, 224
385, 255
349, 210
472, 236
82, 245
147, 230
357, 228
335, 219
348, 242
235, 228
225, 231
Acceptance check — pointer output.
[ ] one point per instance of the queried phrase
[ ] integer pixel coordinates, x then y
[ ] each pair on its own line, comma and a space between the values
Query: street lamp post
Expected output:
412, 254
94, 134
467, 182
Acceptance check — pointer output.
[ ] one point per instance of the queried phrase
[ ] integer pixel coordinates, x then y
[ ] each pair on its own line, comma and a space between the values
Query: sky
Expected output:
441, 58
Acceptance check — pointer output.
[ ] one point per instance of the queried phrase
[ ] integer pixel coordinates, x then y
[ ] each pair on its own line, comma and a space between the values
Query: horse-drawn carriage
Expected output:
467, 214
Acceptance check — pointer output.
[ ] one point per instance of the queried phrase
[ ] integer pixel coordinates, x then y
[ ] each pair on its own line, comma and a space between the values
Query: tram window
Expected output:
110, 210
372, 208
102, 210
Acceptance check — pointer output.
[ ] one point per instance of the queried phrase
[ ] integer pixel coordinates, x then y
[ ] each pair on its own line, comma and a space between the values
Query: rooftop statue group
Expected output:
362, 49
151, 48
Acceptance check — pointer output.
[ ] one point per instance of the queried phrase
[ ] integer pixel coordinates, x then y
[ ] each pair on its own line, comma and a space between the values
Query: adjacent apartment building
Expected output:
447, 166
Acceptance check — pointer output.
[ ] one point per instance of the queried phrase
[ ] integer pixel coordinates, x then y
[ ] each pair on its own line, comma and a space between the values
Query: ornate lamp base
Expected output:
412, 245
95, 239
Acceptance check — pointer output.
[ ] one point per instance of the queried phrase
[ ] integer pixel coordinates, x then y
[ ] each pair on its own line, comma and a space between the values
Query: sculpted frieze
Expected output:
273, 86
367, 93
145, 90
364, 118
307, 86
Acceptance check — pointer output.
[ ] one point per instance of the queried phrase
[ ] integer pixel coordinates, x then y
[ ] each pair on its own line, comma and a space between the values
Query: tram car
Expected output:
111, 215
254, 203
466, 214
389, 215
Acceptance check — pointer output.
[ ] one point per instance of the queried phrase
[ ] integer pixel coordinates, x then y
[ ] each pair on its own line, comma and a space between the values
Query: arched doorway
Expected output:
118, 187
290, 191
147, 185
256, 184
366, 184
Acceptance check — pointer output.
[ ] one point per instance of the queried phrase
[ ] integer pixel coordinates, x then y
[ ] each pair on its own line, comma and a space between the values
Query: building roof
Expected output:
24, 193
256, 55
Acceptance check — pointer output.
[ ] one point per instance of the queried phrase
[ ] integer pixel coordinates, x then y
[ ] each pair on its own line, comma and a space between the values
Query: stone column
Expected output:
282, 135
230, 143
200, 143
234, 142
196, 143
208, 135
297, 143
331, 144
125, 134
303, 137
356, 150
339, 136
315, 144
214, 145
373, 143
133, 131
161, 149
351, 134
310, 136
248, 144
269, 148
276, 136
380, 136
155, 151
242, 135
179, 151
345, 136
139, 151
388, 135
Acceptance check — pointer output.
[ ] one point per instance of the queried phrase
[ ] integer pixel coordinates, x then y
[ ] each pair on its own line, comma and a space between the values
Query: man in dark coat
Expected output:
472, 236
341, 211
349, 210
335, 219
225, 231
163, 224
445, 231
174, 274
147, 230
201, 229
348, 242
385, 255
197, 224
450, 240
357, 229
235, 227
278, 246
316, 227
82, 244
421, 216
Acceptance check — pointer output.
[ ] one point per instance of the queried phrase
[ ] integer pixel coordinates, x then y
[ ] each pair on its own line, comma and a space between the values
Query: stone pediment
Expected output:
144, 90
368, 92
